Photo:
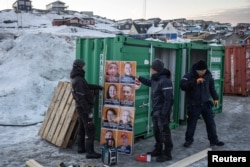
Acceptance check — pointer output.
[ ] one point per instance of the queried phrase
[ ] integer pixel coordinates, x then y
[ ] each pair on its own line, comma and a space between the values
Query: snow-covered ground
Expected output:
32, 62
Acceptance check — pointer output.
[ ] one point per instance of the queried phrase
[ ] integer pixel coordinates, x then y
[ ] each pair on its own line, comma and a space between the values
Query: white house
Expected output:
56, 6
169, 32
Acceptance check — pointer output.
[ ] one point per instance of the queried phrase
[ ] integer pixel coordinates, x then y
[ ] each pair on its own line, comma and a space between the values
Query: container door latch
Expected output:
143, 105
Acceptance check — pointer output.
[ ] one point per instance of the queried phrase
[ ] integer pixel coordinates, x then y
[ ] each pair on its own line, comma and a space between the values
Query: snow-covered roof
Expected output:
169, 29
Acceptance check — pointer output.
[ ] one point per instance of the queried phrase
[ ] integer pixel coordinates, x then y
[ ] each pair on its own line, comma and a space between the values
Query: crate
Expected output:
60, 122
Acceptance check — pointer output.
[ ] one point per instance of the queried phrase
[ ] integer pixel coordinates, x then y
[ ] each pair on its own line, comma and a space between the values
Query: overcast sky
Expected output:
232, 11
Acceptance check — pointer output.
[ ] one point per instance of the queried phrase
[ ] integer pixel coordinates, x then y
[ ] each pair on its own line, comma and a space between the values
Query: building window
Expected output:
21, 2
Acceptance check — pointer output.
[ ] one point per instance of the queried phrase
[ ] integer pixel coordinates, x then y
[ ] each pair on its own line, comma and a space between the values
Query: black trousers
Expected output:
84, 128
194, 111
161, 130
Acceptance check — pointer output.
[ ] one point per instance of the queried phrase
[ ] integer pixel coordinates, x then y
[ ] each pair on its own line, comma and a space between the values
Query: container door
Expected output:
184, 65
214, 56
143, 56
171, 58
191, 54
216, 66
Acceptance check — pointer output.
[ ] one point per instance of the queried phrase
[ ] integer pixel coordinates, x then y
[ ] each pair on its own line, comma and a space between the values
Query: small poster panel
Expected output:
110, 117
127, 95
124, 142
112, 94
128, 72
108, 134
126, 118
112, 74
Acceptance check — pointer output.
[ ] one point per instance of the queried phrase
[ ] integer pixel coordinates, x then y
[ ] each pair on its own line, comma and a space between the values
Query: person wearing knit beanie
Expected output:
78, 63
201, 96
157, 65
162, 101
201, 65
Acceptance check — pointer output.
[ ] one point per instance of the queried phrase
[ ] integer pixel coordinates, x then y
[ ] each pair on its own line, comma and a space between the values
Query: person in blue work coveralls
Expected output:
162, 100
199, 87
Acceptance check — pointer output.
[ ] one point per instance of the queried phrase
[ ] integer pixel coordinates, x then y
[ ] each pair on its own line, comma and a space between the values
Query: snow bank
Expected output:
31, 67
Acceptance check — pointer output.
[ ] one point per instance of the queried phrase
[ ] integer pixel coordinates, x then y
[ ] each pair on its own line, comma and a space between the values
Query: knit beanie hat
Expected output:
201, 65
157, 65
78, 63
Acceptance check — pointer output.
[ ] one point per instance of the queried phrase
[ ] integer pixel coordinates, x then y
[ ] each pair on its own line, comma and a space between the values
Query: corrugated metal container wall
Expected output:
96, 51
237, 70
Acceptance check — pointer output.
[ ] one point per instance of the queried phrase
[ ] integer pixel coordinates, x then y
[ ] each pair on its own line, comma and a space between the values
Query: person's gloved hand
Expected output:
90, 118
216, 102
200, 80
100, 88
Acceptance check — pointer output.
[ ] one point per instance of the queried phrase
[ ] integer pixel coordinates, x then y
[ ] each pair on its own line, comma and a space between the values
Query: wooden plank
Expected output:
53, 112
33, 163
50, 109
61, 118
68, 117
73, 136
72, 123
61, 123
191, 159
70, 130
51, 126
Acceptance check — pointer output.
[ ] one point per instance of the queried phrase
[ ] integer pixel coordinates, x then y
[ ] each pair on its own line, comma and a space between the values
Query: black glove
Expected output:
100, 88
90, 118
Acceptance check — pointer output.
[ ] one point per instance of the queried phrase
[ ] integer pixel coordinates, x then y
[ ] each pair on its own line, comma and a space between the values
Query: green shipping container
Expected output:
96, 51
177, 57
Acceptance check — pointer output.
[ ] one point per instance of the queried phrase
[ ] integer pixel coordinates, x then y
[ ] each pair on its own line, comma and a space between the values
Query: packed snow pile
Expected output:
31, 67
34, 57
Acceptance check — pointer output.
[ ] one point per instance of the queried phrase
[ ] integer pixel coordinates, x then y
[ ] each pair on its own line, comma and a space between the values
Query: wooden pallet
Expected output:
61, 119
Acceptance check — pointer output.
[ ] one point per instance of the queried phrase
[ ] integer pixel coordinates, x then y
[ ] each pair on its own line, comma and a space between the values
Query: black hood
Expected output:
77, 72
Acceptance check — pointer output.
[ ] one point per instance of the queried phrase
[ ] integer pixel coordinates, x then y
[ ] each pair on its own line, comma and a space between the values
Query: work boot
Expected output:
91, 154
218, 143
187, 144
166, 156
157, 151
81, 150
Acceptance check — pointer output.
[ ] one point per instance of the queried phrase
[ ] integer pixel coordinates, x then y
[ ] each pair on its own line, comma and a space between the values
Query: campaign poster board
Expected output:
118, 112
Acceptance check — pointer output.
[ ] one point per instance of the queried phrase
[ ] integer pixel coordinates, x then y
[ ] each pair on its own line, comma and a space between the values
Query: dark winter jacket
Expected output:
161, 91
81, 90
198, 94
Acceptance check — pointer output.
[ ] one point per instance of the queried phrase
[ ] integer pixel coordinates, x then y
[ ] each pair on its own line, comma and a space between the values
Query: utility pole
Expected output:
144, 9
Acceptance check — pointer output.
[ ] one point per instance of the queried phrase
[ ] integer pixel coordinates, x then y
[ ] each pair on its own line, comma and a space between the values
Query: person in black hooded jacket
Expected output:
162, 100
199, 87
84, 99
